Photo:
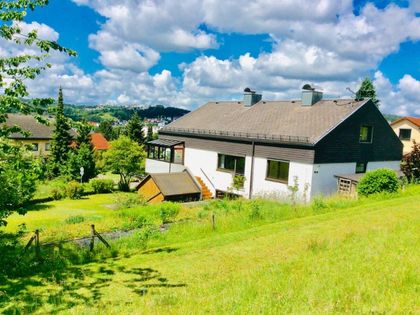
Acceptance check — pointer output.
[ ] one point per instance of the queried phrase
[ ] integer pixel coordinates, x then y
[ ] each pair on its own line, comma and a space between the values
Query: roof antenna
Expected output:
351, 91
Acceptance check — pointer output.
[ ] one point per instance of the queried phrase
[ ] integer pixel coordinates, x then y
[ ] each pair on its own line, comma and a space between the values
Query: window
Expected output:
366, 134
47, 146
231, 163
278, 170
166, 154
35, 147
405, 134
361, 167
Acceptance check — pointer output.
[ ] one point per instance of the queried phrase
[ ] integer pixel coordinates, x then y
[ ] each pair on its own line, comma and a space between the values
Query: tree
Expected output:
411, 163
126, 158
105, 127
81, 157
134, 129
367, 90
18, 174
61, 139
83, 133
14, 70
149, 133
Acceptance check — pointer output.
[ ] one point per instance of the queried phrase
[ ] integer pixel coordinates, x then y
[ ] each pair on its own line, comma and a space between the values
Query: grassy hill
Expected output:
358, 258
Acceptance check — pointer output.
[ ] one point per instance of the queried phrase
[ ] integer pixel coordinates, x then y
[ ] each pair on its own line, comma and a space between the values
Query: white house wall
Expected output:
393, 165
202, 162
324, 182
273, 189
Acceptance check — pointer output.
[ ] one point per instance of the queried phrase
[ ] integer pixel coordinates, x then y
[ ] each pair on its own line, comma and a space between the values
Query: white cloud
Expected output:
320, 42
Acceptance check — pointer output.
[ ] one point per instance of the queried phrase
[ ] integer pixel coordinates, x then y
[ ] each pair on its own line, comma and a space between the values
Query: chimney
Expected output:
250, 97
310, 96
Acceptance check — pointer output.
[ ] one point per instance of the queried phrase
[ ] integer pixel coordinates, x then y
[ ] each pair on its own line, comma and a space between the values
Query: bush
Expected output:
102, 186
74, 190
380, 180
168, 211
128, 200
74, 219
57, 193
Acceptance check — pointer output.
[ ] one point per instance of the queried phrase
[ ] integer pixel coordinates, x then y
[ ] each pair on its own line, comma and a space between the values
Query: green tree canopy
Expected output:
134, 129
18, 174
367, 90
81, 157
61, 139
105, 127
126, 158
14, 70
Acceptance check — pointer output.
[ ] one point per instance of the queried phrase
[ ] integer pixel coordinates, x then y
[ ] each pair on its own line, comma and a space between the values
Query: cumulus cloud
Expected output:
321, 42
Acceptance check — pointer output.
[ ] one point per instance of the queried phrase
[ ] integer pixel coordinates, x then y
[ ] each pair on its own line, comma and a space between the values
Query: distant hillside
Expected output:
98, 114
391, 117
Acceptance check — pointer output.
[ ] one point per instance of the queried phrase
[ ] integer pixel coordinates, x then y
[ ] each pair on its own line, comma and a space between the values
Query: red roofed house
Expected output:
99, 142
407, 129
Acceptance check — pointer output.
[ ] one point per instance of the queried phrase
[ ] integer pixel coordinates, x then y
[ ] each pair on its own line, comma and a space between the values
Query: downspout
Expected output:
251, 179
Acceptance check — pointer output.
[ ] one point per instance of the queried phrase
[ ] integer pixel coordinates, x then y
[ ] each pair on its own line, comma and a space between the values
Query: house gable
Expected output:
342, 144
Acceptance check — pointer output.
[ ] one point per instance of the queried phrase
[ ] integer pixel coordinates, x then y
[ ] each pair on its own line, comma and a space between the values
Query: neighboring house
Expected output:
98, 141
181, 186
276, 144
407, 129
40, 134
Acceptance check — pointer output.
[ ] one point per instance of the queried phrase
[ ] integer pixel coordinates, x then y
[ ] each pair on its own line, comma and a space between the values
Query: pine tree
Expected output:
149, 133
105, 127
367, 90
61, 139
134, 129
83, 133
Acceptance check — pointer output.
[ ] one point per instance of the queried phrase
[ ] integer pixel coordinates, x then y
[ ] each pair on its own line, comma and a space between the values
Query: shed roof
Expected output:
173, 184
165, 142
280, 121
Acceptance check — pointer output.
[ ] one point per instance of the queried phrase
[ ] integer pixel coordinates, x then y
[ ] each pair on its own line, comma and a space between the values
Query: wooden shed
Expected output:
180, 186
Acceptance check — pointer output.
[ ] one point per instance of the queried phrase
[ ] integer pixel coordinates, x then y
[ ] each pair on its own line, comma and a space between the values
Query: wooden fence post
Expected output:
92, 240
213, 221
37, 246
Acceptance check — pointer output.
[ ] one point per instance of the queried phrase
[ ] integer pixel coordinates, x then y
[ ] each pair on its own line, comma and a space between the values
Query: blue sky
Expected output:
186, 53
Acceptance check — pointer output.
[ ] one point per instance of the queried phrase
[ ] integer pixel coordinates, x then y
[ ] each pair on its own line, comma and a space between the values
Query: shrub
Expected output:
102, 186
380, 180
74, 190
238, 182
168, 211
74, 219
129, 200
57, 193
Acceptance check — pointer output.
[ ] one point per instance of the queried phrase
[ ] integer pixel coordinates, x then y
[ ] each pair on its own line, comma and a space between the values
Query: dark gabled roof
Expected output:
279, 121
413, 120
36, 129
174, 184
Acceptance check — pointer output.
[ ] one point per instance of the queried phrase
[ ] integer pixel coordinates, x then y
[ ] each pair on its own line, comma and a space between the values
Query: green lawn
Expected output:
362, 258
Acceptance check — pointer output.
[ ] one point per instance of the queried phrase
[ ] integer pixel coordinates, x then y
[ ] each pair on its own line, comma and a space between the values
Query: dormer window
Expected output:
366, 134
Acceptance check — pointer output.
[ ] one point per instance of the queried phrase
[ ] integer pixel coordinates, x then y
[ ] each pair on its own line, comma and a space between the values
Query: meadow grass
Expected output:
333, 256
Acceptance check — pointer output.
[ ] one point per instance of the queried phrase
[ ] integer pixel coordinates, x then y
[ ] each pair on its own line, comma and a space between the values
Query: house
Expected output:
40, 135
275, 145
179, 186
407, 129
98, 141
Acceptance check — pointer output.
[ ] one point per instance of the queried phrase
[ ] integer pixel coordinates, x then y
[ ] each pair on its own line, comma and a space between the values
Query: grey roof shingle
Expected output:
282, 121
36, 129
172, 184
